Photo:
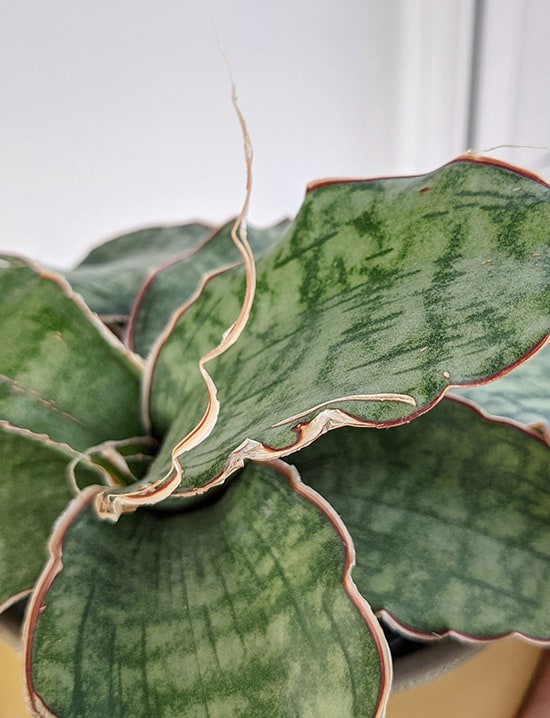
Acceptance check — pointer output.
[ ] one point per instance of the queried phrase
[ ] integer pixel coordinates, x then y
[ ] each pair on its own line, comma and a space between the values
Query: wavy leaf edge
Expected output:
110, 508
111, 505
155, 271
469, 156
52, 568
410, 632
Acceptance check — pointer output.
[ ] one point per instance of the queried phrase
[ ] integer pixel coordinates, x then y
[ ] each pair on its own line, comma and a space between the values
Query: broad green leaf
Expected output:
110, 277
61, 372
404, 285
522, 395
238, 608
450, 517
33, 492
175, 283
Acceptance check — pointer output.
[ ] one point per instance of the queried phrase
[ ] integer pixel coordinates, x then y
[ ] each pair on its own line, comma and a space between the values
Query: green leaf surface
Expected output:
33, 492
175, 283
238, 608
110, 277
523, 395
450, 517
61, 373
404, 285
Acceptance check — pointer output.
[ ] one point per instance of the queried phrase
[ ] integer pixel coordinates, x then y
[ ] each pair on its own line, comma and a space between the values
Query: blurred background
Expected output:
117, 115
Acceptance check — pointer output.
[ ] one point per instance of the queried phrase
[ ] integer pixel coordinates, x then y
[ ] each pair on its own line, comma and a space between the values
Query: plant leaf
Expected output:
523, 395
241, 608
450, 519
111, 275
174, 283
406, 285
61, 372
33, 492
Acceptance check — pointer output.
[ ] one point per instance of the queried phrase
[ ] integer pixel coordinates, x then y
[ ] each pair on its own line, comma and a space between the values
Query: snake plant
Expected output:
231, 458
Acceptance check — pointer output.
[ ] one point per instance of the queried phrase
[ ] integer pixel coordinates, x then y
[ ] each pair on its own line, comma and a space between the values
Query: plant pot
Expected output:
11, 694
478, 682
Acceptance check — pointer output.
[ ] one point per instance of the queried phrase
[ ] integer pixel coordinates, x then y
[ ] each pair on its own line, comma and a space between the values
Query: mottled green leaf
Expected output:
110, 277
34, 490
404, 285
176, 282
522, 395
61, 373
235, 609
450, 517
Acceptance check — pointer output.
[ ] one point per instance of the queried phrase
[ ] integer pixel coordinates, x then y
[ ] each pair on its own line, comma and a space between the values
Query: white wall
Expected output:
117, 114
513, 97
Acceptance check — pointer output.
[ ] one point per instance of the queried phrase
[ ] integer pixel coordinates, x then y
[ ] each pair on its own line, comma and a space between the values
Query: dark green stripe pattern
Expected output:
173, 284
400, 285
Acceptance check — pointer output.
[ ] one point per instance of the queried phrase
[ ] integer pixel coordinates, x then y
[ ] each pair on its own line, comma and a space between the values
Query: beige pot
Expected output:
11, 694
491, 683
